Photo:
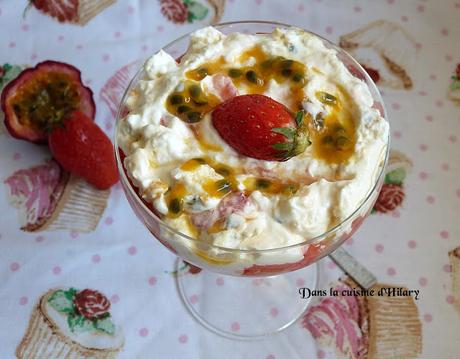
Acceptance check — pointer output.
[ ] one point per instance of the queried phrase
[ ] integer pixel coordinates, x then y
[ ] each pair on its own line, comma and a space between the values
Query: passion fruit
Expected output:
42, 97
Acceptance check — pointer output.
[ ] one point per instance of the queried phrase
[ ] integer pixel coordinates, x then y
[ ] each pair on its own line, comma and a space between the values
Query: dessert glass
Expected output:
261, 299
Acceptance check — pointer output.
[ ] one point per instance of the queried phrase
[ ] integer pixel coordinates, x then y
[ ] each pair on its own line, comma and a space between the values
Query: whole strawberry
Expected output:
259, 127
82, 148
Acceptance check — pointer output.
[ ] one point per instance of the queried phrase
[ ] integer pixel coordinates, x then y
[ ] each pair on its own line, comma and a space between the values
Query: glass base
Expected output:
245, 308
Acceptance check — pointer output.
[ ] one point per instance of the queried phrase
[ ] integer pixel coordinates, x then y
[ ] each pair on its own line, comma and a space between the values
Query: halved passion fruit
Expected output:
42, 97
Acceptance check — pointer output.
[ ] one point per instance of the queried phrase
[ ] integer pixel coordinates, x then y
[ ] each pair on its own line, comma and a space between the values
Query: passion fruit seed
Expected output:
234, 73
176, 99
202, 72
262, 183
223, 186
195, 91
297, 77
286, 72
328, 98
175, 205
183, 108
194, 117
251, 76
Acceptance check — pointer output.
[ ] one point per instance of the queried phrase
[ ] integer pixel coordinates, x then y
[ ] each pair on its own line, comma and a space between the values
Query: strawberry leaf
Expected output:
285, 131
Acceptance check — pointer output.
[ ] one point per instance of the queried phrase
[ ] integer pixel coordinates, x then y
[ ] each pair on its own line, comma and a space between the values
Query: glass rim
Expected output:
369, 82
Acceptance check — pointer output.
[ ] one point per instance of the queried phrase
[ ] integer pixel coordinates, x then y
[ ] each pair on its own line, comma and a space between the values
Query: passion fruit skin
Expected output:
25, 132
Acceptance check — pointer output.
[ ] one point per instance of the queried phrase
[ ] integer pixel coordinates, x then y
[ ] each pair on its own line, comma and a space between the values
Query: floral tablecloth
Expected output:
408, 241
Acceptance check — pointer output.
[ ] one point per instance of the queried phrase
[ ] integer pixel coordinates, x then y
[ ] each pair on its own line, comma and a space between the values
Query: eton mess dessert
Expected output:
252, 141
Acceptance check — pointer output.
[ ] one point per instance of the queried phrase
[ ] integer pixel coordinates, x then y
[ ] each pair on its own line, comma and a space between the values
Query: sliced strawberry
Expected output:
82, 148
41, 97
259, 127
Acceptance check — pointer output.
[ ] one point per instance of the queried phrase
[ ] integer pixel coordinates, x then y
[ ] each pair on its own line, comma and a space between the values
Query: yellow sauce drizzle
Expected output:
213, 259
218, 188
217, 227
175, 200
270, 186
257, 77
191, 104
193, 164
334, 136
209, 68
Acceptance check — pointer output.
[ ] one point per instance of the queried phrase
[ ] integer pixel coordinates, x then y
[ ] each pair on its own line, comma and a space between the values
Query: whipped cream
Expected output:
160, 147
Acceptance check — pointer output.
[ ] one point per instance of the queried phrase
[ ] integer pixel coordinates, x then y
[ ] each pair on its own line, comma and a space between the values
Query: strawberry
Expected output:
259, 127
457, 71
81, 147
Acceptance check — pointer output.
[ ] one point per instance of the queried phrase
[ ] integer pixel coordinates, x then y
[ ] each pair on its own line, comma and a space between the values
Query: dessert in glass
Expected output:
251, 150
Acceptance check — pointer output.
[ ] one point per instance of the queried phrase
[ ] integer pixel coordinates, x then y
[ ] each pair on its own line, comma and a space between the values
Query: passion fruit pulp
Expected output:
42, 97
